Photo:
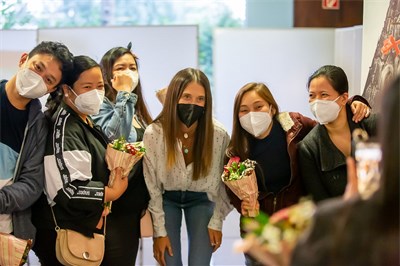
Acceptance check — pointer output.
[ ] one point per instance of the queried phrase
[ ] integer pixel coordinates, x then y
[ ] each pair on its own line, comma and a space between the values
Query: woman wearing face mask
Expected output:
124, 113
75, 169
323, 153
261, 133
182, 168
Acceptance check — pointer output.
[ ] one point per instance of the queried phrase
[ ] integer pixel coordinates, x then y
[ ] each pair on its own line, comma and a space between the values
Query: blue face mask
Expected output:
189, 113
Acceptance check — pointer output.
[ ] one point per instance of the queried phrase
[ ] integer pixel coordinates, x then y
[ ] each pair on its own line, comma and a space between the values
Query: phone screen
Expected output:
368, 156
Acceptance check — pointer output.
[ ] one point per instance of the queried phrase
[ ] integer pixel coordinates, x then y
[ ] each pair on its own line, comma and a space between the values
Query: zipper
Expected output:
274, 207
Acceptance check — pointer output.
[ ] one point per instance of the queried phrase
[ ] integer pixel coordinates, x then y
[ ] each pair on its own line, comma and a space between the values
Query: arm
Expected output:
69, 175
310, 173
222, 203
153, 184
221, 199
359, 107
161, 242
116, 120
29, 181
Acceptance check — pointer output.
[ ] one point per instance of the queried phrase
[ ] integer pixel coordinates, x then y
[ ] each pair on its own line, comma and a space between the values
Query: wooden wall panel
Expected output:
309, 13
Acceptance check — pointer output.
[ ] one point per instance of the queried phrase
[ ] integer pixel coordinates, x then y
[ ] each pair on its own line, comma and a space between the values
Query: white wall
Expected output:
348, 46
13, 43
162, 50
281, 58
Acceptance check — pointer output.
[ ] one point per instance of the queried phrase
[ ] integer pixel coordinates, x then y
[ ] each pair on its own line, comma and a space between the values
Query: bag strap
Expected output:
57, 228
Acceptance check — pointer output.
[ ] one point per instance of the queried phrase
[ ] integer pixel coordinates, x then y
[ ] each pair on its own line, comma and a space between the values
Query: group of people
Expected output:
54, 169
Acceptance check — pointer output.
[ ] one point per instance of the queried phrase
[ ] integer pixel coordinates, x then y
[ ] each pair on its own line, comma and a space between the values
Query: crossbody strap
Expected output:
57, 228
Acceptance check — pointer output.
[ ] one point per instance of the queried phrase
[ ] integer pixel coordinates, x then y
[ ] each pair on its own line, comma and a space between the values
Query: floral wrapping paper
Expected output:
116, 158
244, 182
13, 251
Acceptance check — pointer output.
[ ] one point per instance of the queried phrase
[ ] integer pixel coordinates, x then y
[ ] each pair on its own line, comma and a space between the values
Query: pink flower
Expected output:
235, 159
279, 216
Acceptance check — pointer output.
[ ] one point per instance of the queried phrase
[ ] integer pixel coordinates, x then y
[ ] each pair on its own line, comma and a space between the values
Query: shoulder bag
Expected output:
76, 249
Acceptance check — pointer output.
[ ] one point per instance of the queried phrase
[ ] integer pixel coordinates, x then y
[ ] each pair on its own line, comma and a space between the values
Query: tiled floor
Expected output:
224, 256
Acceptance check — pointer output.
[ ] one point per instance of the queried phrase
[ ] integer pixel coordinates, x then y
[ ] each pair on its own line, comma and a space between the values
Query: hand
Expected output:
161, 94
265, 257
360, 111
122, 81
119, 186
247, 207
215, 238
159, 246
352, 179
106, 211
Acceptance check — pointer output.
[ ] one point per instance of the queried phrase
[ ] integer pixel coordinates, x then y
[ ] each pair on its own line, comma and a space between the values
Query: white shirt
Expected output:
179, 177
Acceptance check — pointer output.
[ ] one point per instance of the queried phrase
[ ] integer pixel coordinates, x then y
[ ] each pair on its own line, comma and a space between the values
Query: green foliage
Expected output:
14, 15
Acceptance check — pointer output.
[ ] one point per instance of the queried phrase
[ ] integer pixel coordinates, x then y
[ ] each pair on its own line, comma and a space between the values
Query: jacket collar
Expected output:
35, 111
330, 156
285, 120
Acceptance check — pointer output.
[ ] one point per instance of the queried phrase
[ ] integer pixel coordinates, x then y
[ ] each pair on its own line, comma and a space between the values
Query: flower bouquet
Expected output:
271, 240
121, 153
13, 250
240, 177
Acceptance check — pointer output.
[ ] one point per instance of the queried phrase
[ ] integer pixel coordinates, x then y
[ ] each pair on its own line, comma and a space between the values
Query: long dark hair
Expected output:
335, 76
205, 128
107, 63
81, 63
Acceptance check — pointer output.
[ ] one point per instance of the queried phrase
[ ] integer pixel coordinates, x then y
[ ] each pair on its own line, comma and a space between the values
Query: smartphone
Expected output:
368, 156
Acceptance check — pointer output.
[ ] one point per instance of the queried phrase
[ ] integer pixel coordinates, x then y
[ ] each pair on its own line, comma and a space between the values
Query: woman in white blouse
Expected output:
182, 168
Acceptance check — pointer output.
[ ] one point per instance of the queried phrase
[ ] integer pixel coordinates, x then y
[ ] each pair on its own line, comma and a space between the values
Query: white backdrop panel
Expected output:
162, 50
281, 58
348, 50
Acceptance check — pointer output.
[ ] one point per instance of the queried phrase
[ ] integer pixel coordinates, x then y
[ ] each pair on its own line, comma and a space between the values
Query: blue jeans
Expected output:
198, 210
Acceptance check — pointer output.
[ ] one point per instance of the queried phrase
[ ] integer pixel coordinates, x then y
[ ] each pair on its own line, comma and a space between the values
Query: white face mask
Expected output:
325, 111
256, 123
134, 76
30, 84
89, 102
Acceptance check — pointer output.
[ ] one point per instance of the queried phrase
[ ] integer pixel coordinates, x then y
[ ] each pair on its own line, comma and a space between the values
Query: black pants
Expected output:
122, 240
45, 247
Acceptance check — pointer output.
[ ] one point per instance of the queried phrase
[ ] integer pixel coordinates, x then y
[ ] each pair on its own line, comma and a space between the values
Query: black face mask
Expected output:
189, 113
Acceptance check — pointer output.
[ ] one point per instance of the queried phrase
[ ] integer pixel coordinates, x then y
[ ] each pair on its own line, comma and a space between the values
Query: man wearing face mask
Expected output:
23, 133
323, 152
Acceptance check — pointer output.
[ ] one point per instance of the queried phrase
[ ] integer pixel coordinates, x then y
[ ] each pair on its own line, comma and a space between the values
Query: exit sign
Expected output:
331, 4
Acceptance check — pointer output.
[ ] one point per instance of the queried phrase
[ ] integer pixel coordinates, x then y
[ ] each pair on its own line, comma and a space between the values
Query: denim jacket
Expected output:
116, 118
